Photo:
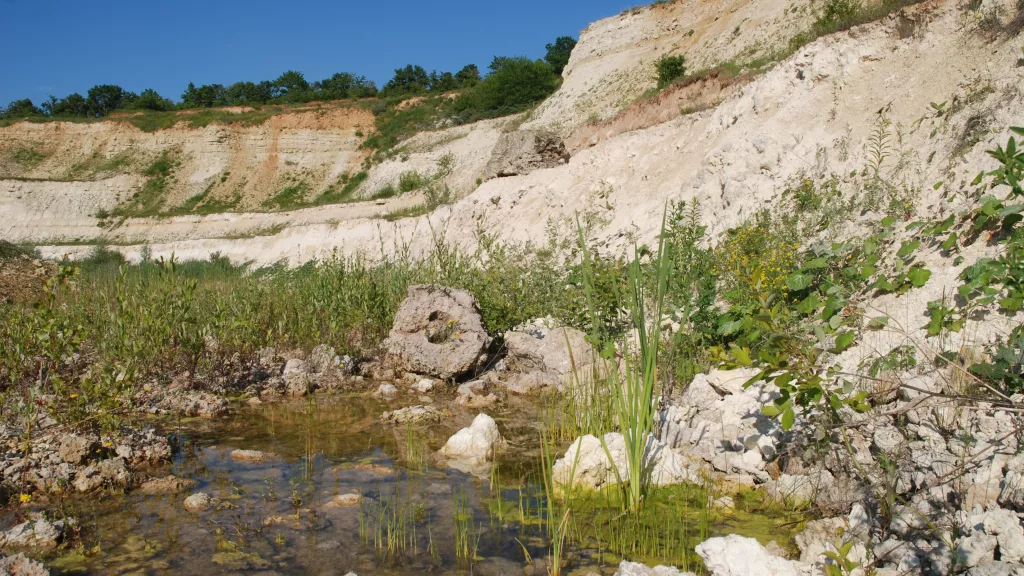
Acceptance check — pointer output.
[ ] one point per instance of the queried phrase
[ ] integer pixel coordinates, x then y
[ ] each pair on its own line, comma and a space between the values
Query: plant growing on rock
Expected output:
669, 69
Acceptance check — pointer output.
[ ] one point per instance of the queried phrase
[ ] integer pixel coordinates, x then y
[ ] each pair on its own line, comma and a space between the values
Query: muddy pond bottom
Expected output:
338, 492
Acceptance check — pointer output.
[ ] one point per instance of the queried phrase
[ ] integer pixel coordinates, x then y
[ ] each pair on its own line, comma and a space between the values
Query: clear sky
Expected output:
63, 46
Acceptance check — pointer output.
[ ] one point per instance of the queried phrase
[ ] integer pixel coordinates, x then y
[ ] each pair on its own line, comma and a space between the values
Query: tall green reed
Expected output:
631, 387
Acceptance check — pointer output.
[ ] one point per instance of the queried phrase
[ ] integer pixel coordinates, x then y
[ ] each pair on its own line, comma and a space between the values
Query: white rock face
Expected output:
1009, 533
586, 463
720, 421
476, 445
735, 555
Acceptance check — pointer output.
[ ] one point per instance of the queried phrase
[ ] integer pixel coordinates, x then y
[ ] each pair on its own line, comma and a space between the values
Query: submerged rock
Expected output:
412, 415
437, 332
250, 456
735, 555
166, 485
349, 500
475, 446
199, 502
473, 395
386, 391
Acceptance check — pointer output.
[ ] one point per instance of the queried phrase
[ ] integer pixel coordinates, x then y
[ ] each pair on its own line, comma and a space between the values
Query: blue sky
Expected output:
63, 46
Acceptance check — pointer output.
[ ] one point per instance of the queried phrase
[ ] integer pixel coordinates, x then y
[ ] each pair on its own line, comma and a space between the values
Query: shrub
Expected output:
670, 69
513, 85
558, 53
411, 180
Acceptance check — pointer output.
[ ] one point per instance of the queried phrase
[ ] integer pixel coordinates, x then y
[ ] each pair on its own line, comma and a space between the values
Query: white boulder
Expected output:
586, 463
735, 555
475, 446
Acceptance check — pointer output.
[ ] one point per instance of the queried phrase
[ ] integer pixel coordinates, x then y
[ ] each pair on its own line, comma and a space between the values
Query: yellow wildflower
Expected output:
23, 498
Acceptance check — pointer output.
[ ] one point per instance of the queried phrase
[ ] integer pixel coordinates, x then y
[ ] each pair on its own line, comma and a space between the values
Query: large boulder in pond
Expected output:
523, 152
437, 332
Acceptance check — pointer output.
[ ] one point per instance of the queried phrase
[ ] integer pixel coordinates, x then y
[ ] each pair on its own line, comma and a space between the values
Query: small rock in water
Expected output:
166, 485
386, 391
290, 520
346, 500
249, 455
198, 502
412, 415
375, 468
424, 385
475, 445
636, 569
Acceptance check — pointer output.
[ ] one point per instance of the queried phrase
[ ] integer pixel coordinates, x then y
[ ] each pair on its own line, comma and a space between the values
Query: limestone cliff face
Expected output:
733, 146
64, 173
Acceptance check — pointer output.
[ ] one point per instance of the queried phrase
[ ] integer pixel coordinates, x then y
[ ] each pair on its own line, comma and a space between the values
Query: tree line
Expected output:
521, 78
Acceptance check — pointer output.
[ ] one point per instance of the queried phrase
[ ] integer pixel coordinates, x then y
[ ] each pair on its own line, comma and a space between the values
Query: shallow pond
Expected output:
281, 516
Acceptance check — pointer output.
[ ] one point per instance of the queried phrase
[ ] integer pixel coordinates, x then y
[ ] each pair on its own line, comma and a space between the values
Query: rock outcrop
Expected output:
540, 356
19, 565
437, 332
37, 532
524, 151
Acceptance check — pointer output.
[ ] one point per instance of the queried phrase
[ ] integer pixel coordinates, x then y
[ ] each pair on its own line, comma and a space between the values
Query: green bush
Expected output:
513, 85
558, 53
670, 69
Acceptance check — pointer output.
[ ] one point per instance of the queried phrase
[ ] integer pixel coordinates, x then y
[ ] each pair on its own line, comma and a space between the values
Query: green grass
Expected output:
334, 194
149, 200
290, 198
257, 232
410, 212
10, 250
26, 157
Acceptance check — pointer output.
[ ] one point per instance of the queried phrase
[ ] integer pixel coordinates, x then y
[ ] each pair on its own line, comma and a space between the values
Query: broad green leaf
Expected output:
742, 355
788, 419
845, 340
798, 281
878, 322
950, 241
809, 304
816, 263
907, 248
919, 276
1011, 304
1011, 209
770, 411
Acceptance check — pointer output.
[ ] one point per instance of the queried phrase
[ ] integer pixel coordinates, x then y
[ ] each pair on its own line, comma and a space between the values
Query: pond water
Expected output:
281, 516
